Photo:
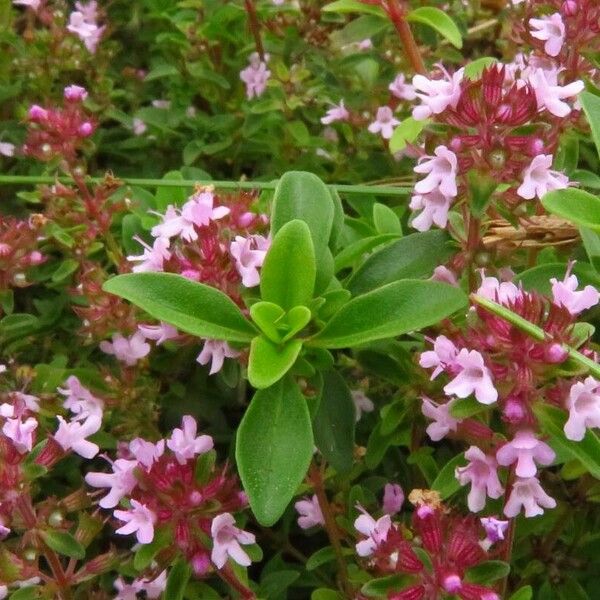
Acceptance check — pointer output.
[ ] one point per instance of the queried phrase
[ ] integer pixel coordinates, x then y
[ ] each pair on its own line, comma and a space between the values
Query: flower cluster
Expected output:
83, 23
501, 366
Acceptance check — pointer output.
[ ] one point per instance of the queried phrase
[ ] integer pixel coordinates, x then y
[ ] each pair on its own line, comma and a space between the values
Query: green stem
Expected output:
379, 190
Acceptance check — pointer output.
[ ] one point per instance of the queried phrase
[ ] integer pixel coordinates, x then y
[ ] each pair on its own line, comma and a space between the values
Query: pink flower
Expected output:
128, 350
436, 95
503, 293
481, 474
146, 453
75, 93
393, 498
88, 32
21, 433
550, 29
336, 113
528, 493
215, 352
494, 528
184, 443
138, 126
549, 94
125, 591
443, 356
161, 104
121, 481
362, 403
255, 76
159, 333
441, 173
249, 254
365, 44
152, 259
152, 587
376, 532
444, 275
402, 90
139, 519
583, 404
310, 512
37, 113
227, 539
33, 4
474, 378
526, 450
539, 178
434, 209
71, 435
7, 149
564, 293
384, 122
200, 209
443, 421
80, 401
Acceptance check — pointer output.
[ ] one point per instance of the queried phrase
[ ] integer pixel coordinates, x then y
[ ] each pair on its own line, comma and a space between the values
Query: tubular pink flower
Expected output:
80, 401
529, 495
526, 450
549, 94
441, 172
310, 512
494, 528
539, 178
434, 209
376, 532
384, 122
393, 498
21, 433
564, 293
228, 540
146, 453
152, 259
473, 378
583, 405
338, 112
550, 29
185, 444
128, 350
121, 481
249, 254
443, 421
71, 436
436, 95
75, 93
362, 403
402, 90
443, 356
255, 76
482, 475
503, 293
139, 519
215, 352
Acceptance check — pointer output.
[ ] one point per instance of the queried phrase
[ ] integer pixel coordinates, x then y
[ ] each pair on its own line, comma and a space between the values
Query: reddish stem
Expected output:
228, 576
397, 14
255, 27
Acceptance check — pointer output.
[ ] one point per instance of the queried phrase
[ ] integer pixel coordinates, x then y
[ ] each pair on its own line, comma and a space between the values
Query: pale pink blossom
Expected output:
434, 209
228, 541
75, 93
583, 405
436, 95
444, 275
443, 356
128, 350
255, 76
160, 333
504, 292
89, 10
138, 126
161, 104
494, 528
80, 401
376, 532
185, 444
146, 453
529, 495
21, 433
21, 404
402, 90
249, 254
481, 473
539, 178
139, 519
338, 112
215, 352
125, 591
71, 435
362, 403
549, 29
441, 173
443, 421
564, 293
393, 498
473, 378
121, 481
33, 4
7, 149
310, 512
153, 588
365, 44
152, 259
87, 31
549, 94
526, 450
384, 122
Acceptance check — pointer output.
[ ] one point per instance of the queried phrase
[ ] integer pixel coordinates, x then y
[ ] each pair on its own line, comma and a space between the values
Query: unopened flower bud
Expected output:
497, 159
86, 129
514, 412
536, 146
201, 564
5, 249
569, 8
452, 583
36, 258
75, 93
556, 354
56, 518
37, 113
456, 144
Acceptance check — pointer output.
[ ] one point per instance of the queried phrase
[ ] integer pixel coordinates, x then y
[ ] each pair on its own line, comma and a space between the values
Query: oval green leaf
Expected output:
269, 362
577, 206
64, 543
438, 20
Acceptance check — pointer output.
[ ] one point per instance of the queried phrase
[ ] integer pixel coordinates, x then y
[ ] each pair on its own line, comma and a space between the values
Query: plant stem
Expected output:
510, 538
397, 13
228, 576
316, 478
379, 190
255, 27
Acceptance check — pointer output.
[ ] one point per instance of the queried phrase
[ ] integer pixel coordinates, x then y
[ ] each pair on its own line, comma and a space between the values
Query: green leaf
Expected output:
192, 307
385, 219
591, 243
413, 256
466, 407
524, 593
320, 557
64, 543
30, 592
353, 6
488, 572
269, 361
406, 133
538, 278
326, 594
335, 421
274, 447
577, 206
481, 187
266, 315
591, 107
446, 483
288, 274
66, 268
389, 311
146, 552
475, 68
356, 250
382, 586
587, 451
438, 20
178, 578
